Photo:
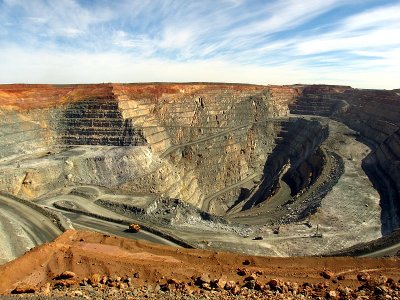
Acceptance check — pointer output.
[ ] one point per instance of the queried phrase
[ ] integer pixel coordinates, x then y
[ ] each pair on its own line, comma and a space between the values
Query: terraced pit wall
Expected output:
216, 139
40, 123
217, 146
297, 159
204, 139
375, 115
98, 121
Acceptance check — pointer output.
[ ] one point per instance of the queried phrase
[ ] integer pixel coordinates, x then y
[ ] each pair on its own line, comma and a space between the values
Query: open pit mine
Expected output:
264, 170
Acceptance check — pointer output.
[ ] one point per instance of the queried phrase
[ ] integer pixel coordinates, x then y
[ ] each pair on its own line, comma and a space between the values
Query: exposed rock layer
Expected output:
217, 146
375, 115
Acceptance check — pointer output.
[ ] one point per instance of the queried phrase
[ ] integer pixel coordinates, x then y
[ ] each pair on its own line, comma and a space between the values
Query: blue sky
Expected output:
251, 41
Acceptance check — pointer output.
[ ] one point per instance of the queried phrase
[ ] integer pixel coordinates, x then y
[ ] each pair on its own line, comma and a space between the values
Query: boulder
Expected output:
66, 275
24, 288
253, 276
363, 277
236, 290
327, 274
230, 285
221, 282
242, 272
204, 278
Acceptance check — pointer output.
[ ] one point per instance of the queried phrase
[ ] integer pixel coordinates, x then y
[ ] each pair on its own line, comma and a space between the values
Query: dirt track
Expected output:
22, 228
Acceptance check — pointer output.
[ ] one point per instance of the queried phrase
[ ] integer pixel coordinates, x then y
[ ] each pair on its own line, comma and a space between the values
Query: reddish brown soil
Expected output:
88, 253
156, 91
32, 96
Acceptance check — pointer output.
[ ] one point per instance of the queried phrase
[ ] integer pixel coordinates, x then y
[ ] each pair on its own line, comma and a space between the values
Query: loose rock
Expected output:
364, 277
66, 275
327, 274
24, 288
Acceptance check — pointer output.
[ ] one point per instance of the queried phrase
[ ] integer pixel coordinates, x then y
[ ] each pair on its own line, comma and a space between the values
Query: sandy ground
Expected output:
87, 253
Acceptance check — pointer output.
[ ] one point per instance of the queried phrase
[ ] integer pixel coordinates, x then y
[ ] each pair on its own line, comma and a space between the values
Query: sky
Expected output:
343, 42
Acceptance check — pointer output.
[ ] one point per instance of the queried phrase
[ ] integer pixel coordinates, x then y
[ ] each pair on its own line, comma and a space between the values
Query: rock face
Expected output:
375, 115
98, 122
383, 167
221, 147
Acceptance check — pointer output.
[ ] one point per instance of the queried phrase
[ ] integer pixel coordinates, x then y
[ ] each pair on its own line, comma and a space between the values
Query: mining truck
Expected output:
134, 227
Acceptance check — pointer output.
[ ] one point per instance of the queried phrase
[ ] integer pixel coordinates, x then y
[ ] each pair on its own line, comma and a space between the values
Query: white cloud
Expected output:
58, 18
170, 40
140, 43
377, 17
78, 67
176, 38
347, 41
375, 29
283, 15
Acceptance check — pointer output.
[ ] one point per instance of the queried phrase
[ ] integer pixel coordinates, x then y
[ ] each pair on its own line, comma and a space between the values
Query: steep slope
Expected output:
255, 155
375, 115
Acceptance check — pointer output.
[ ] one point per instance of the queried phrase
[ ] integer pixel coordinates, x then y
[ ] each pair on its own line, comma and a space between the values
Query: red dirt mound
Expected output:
84, 254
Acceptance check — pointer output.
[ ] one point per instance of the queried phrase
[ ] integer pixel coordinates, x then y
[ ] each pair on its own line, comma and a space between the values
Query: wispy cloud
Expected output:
139, 43
289, 40
374, 29
65, 18
286, 14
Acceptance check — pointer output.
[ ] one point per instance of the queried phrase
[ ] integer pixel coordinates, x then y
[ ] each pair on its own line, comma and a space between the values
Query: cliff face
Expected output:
383, 168
214, 138
200, 131
220, 147
375, 115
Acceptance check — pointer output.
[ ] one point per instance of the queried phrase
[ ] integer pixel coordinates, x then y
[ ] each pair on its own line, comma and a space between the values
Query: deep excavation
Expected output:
249, 168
